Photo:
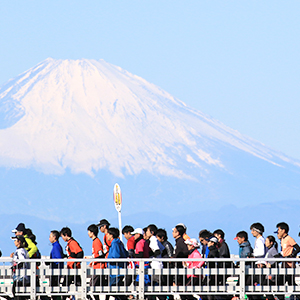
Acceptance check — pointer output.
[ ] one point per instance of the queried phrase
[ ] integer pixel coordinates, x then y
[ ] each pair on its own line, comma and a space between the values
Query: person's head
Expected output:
192, 244
93, 231
126, 231
138, 233
20, 241
103, 225
20, 229
241, 237
204, 236
219, 234
161, 235
151, 230
282, 229
54, 236
184, 227
178, 231
270, 242
257, 229
212, 241
112, 233
145, 235
66, 233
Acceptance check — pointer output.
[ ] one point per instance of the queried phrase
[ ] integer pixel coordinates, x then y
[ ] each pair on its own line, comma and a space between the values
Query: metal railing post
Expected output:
242, 279
141, 288
83, 279
33, 280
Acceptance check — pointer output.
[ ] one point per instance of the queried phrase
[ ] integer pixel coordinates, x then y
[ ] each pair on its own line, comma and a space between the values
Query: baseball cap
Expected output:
138, 230
213, 239
20, 227
103, 222
192, 242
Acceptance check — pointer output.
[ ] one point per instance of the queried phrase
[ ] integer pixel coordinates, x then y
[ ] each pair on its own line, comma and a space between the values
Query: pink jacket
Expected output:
194, 264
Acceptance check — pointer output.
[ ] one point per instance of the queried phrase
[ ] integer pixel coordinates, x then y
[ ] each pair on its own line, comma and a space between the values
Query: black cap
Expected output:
20, 227
102, 223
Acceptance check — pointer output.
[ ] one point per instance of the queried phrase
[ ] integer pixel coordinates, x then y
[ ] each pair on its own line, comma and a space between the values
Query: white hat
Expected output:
181, 224
138, 230
192, 242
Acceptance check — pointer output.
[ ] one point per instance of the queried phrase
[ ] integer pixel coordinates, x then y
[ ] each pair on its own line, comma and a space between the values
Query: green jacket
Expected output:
32, 248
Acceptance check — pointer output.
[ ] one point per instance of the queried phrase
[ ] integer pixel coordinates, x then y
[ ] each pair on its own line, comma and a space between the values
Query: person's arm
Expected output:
32, 248
296, 250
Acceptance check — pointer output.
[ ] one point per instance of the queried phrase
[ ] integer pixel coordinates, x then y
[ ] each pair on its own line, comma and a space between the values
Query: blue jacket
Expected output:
117, 250
57, 252
245, 250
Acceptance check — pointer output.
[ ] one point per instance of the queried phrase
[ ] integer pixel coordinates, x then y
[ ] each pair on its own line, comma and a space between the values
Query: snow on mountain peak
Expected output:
86, 115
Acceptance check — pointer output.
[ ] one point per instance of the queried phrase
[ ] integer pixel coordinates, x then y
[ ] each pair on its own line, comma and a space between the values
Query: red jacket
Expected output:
73, 250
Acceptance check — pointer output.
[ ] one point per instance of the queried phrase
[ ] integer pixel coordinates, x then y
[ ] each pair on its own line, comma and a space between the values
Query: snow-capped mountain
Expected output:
71, 128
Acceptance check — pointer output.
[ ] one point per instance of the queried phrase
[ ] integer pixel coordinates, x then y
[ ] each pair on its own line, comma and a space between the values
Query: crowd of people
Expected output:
153, 242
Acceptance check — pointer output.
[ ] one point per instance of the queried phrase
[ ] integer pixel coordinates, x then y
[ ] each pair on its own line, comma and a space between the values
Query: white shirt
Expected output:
155, 245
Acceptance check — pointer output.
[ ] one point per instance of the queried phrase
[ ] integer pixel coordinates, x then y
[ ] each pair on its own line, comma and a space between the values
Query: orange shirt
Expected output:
97, 249
74, 251
287, 246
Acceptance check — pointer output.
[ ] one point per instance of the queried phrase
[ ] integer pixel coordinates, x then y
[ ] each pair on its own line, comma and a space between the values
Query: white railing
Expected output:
217, 280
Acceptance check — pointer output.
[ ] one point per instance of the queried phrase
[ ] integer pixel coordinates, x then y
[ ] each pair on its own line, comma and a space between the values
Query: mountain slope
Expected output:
63, 120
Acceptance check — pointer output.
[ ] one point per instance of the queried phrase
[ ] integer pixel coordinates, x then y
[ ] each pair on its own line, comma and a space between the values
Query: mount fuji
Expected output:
70, 129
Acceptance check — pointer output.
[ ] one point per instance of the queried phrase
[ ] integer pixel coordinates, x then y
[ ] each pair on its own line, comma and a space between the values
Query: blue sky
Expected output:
237, 61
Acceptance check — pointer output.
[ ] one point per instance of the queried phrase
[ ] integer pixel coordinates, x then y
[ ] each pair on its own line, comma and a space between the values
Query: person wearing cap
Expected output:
257, 230
142, 250
184, 236
31, 246
213, 253
126, 231
204, 236
192, 279
245, 249
19, 280
103, 226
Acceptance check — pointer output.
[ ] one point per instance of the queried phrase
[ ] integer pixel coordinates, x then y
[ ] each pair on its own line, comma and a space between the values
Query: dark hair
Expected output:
273, 241
127, 229
94, 229
145, 229
284, 226
205, 234
242, 234
161, 233
114, 232
220, 232
259, 227
55, 233
180, 229
66, 231
30, 235
152, 228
